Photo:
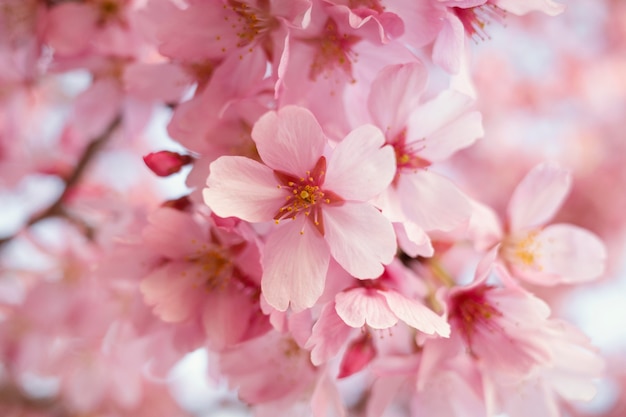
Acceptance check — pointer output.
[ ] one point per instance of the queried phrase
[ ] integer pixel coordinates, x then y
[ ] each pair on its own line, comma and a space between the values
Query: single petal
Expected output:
226, 316
290, 140
416, 314
173, 234
394, 94
521, 7
484, 227
455, 135
167, 289
433, 201
329, 334
413, 240
294, 265
538, 196
568, 254
244, 188
359, 306
449, 46
361, 167
360, 238
440, 120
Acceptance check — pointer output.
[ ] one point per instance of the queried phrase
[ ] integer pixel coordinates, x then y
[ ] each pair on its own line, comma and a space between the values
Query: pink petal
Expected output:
538, 196
329, 334
359, 306
521, 7
294, 266
445, 124
432, 201
163, 81
357, 356
226, 316
290, 140
450, 44
458, 132
70, 27
360, 238
244, 188
166, 289
416, 314
484, 228
413, 240
173, 234
394, 94
361, 167
568, 254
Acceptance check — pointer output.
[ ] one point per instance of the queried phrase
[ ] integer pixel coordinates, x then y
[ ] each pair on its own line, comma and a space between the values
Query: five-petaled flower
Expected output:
323, 193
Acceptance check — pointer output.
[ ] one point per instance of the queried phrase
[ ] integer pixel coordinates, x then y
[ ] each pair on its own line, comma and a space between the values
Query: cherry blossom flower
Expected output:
320, 208
421, 134
209, 277
538, 252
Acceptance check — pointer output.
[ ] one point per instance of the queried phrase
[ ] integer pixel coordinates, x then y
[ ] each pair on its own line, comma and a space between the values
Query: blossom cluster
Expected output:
330, 254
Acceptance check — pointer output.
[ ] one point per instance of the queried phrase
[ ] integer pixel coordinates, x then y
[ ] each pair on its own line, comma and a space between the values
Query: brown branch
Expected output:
57, 209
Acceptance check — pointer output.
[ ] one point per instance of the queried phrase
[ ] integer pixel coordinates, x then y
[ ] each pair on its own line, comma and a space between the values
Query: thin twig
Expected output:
56, 209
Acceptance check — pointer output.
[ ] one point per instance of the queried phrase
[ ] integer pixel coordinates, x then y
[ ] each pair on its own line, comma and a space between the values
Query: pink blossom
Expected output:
380, 303
542, 253
209, 277
421, 134
324, 205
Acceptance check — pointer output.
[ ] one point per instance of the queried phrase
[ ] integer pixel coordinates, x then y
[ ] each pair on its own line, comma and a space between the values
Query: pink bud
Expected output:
164, 163
357, 356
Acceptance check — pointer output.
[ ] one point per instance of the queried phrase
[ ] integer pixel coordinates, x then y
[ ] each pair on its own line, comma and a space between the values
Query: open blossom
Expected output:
421, 133
320, 206
381, 303
208, 277
533, 250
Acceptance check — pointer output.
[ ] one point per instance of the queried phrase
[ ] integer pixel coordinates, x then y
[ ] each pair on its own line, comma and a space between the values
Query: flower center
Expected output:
254, 23
523, 250
472, 309
212, 266
109, 11
305, 195
407, 153
333, 51
407, 158
475, 19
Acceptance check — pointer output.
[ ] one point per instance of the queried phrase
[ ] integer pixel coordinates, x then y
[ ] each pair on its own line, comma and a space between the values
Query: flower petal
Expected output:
449, 46
329, 334
361, 167
394, 94
416, 314
433, 201
568, 254
519, 8
294, 266
244, 188
359, 306
290, 140
538, 196
445, 125
360, 238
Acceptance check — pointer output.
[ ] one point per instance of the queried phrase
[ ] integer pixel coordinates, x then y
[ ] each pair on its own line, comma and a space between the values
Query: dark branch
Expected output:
56, 209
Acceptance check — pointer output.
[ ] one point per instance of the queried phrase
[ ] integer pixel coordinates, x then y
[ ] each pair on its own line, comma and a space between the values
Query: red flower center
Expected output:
305, 195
